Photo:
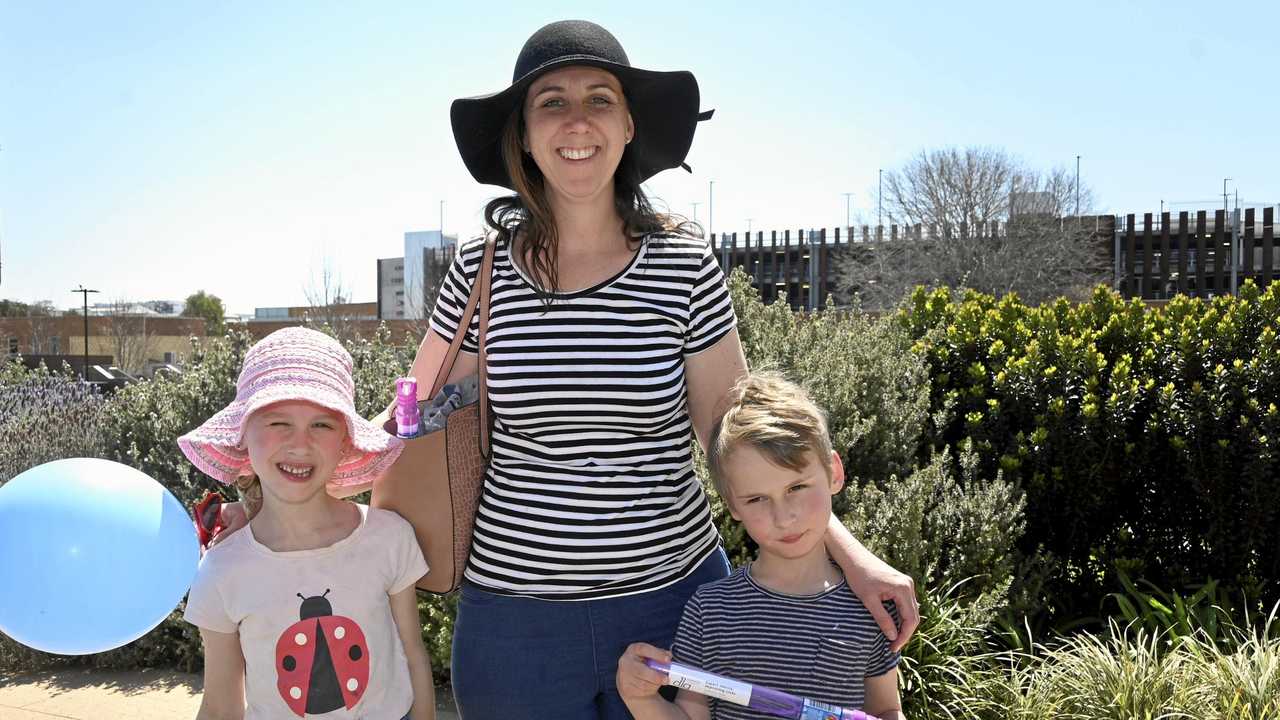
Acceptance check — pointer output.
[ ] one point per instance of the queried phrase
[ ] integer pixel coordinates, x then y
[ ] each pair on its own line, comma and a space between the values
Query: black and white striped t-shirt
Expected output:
590, 491
821, 646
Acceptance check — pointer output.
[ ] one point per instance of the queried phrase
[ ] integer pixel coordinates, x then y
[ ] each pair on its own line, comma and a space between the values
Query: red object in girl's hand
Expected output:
208, 518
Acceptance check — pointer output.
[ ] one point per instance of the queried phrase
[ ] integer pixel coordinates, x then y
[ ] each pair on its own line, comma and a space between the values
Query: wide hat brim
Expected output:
216, 447
663, 106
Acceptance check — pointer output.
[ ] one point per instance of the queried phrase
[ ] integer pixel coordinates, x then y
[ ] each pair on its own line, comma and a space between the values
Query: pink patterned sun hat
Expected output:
292, 364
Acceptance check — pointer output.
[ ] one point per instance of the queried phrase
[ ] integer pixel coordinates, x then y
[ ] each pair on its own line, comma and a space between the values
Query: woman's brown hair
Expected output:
529, 213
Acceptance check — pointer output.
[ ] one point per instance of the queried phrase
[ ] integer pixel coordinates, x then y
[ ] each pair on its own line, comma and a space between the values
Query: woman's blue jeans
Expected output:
517, 657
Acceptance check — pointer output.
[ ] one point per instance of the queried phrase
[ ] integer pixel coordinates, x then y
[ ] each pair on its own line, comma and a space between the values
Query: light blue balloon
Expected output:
93, 555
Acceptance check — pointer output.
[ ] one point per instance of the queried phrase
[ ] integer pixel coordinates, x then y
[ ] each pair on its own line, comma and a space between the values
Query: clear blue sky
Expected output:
150, 149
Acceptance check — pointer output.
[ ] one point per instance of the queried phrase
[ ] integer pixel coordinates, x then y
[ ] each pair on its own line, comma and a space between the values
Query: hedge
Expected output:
1144, 438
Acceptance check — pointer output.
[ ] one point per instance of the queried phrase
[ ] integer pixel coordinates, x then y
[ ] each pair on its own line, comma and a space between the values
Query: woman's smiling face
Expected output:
576, 128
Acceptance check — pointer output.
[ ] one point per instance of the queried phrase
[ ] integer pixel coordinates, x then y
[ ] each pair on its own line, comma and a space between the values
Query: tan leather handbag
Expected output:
436, 482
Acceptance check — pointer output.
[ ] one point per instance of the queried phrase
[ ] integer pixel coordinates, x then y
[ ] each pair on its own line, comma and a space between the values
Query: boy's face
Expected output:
294, 447
785, 511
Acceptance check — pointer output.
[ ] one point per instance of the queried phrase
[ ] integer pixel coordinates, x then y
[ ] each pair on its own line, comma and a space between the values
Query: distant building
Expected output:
137, 343
300, 313
391, 288
156, 308
418, 286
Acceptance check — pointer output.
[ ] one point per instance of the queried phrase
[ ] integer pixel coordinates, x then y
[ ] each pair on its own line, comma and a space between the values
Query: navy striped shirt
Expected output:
820, 646
590, 490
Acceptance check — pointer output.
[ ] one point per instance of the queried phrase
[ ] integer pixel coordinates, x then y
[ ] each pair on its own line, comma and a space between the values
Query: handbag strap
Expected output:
480, 288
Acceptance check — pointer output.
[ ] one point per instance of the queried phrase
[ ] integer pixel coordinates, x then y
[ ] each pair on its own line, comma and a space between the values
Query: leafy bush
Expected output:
1205, 612
1143, 438
944, 531
858, 369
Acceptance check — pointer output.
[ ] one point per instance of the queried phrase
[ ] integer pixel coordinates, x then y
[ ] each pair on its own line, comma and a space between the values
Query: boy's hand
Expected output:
637, 680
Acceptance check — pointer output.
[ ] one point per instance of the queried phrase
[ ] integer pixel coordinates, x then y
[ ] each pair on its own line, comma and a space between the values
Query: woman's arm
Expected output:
709, 376
431, 355
404, 609
223, 697
874, 582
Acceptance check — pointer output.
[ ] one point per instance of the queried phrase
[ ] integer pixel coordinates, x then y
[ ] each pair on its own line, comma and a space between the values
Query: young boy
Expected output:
786, 620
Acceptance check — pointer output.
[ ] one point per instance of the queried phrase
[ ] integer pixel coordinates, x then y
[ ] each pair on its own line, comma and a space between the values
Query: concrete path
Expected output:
79, 694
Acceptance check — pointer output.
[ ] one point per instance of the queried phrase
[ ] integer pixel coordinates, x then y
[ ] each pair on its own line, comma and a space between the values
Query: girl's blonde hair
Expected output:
777, 418
250, 489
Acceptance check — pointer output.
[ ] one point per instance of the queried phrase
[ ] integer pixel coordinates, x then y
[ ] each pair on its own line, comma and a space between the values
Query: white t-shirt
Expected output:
315, 626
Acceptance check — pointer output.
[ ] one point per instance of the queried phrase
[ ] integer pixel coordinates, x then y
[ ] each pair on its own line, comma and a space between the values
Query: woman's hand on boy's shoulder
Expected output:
884, 584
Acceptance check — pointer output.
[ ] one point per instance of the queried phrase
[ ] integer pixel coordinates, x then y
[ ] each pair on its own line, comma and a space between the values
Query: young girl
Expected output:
312, 610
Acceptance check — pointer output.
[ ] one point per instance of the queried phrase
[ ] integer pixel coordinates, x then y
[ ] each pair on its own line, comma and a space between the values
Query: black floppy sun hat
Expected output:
663, 105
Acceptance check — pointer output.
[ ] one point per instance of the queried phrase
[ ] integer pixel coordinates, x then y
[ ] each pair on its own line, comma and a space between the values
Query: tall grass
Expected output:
1126, 672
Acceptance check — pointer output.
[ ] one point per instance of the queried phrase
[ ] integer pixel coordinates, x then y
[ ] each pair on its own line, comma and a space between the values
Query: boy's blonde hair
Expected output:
777, 418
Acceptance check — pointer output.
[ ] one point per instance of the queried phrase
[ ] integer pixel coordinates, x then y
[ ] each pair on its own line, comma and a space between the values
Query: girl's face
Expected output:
576, 127
294, 447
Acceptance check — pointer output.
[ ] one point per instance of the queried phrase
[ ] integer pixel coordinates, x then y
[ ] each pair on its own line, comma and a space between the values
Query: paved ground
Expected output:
104, 695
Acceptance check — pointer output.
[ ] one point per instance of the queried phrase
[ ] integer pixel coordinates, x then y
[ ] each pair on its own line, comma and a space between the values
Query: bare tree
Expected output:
44, 327
977, 218
131, 339
327, 297
973, 187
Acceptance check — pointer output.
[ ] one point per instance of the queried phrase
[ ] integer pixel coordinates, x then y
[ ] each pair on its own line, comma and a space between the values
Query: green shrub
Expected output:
858, 369
1143, 438
945, 531
145, 419
1204, 612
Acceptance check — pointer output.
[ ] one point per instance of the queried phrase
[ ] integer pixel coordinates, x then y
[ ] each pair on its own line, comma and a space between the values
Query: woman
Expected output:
611, 337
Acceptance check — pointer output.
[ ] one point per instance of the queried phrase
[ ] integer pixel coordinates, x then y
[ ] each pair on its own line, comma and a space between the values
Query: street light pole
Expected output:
880, 201
711, 211
1077, 186
695, 211
847, 216
84, 369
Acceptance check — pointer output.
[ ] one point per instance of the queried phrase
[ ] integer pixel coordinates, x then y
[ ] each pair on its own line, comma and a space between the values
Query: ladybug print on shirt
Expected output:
322, 661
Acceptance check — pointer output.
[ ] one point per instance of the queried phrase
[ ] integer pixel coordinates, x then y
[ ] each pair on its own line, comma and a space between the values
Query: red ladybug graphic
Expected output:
322, 661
